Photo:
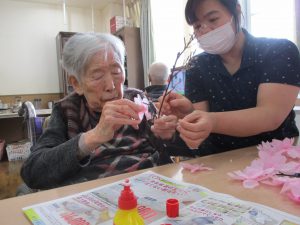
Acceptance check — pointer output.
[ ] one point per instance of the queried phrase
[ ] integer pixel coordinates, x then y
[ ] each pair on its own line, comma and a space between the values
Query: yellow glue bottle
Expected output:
127, 214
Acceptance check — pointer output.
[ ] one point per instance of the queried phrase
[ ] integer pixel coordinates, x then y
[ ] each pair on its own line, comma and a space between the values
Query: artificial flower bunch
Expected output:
143, 102
278, 165
194, 167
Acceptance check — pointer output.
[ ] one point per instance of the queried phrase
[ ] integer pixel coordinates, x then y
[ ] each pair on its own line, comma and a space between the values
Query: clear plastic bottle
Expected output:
127, 214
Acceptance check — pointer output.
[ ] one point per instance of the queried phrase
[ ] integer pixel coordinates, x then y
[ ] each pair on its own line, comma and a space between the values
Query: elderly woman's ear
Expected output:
75, 84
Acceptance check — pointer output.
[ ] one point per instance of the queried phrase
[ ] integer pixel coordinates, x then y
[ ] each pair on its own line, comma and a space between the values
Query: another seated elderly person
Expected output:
158, 78
96, 131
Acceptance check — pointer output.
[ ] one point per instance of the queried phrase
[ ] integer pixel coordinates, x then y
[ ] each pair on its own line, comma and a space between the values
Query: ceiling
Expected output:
98, 4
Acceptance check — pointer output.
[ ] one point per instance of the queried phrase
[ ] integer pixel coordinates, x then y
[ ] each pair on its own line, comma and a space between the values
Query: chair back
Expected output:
34, 123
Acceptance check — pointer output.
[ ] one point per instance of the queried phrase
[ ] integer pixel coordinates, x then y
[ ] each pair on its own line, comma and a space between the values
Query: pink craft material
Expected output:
144, 102
292, 189
194, 167
278, 161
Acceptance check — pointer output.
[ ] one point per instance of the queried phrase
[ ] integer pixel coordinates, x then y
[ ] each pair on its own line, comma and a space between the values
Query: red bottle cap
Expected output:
127, 199
172, 208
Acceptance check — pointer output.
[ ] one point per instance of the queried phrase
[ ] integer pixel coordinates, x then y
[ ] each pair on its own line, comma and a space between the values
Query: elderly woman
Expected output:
96, 131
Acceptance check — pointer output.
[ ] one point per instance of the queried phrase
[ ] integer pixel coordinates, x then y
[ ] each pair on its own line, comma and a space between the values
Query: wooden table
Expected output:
216, 180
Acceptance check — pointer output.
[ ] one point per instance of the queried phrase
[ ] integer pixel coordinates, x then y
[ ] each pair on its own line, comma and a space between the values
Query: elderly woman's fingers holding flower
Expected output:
116, 114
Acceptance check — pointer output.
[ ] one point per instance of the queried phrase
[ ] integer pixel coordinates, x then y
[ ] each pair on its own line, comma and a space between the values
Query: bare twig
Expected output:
186, 46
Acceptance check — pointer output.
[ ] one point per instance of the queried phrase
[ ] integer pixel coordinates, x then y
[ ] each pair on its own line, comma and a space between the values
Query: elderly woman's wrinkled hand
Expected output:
165, 127
116, 114
195, 128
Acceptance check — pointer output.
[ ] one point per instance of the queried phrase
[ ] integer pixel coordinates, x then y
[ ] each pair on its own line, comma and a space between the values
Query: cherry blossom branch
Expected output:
179, 54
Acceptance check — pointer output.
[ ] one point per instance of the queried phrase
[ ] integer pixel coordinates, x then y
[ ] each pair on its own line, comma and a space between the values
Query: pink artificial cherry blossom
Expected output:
194, 167
292, 189
144, 102
278, 162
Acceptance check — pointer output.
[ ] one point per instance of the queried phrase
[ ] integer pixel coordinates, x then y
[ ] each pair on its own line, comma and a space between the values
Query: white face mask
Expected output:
218, 41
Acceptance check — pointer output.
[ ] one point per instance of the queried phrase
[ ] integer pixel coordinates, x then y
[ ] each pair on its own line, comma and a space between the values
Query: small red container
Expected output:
172, 208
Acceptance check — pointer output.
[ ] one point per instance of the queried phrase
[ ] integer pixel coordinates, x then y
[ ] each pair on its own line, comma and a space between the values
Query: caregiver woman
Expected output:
241, 90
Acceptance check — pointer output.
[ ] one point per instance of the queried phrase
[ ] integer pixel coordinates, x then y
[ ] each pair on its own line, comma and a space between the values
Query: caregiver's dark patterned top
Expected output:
264, 60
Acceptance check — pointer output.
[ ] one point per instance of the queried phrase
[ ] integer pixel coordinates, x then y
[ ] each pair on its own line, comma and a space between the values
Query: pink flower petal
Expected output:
241, 174
274, 181
250, 184
194, 167
144, 102
274, 157
294, 198
294, 153
290, 167
148, 115
291, 188
235, 177
292, 185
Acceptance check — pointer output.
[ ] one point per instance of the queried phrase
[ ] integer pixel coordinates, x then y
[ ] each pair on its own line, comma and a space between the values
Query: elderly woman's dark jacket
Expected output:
54, 158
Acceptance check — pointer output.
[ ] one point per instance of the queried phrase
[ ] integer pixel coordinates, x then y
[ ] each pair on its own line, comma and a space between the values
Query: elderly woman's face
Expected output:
103, 80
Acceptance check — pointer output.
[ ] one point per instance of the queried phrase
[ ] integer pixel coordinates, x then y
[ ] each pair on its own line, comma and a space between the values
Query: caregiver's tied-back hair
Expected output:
230, 5
81, 47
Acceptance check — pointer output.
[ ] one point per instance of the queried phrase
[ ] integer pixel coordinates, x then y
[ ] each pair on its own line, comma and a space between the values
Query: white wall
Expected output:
108, 12
28, 62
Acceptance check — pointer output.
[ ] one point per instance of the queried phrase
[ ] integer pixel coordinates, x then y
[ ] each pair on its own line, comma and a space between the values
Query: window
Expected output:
270, 18
169, 27
263, 18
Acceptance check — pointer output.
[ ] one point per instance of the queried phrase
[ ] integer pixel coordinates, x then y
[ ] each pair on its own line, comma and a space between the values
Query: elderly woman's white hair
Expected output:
81, 47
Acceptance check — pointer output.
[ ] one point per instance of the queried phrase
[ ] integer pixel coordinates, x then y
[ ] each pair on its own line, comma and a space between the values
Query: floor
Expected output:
9, 178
